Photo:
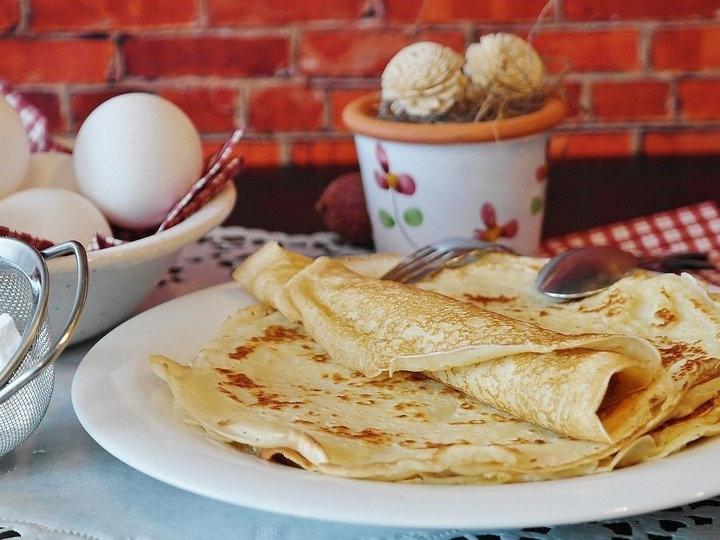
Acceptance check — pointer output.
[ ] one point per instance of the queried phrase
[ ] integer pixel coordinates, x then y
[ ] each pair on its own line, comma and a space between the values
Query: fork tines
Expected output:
433, 257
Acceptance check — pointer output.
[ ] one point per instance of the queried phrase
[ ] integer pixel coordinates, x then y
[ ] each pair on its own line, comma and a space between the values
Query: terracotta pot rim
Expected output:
360, 116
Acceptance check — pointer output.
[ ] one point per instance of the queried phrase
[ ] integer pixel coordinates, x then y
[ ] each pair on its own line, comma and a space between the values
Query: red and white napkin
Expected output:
34, 121
688, 228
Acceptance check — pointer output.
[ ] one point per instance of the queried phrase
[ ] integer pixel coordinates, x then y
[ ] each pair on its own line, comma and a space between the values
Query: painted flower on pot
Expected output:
493, 230
396, 184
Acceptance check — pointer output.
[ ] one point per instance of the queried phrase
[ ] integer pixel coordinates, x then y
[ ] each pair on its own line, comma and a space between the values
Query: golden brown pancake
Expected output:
552, 389
378, 327
265, 384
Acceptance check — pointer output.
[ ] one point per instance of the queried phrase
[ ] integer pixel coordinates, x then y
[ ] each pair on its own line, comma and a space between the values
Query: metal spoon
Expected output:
580, 272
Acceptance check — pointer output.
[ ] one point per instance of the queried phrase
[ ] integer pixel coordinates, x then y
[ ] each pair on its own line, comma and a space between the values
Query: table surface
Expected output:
61, 484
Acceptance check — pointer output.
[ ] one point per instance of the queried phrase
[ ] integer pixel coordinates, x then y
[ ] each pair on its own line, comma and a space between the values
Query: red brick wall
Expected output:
643, 76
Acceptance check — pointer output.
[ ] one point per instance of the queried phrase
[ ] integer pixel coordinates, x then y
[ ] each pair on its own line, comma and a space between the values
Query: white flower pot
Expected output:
425, 182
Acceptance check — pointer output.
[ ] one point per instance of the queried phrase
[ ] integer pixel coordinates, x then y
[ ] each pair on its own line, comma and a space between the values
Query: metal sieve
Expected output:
27, 379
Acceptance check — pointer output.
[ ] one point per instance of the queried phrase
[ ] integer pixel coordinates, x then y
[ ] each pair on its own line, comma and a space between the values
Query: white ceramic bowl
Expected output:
120, 277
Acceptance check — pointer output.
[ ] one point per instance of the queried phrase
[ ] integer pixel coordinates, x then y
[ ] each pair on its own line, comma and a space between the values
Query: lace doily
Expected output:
21, 529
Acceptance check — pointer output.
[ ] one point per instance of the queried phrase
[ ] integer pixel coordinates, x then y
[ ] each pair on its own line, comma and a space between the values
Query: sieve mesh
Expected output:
21, 414
26, 383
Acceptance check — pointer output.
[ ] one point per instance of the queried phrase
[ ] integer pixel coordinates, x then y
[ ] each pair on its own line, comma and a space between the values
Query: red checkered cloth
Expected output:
34, 122
222, 168
34, 241
689, 228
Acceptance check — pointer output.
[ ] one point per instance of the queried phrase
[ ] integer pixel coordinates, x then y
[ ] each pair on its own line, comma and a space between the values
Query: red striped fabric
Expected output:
34, 241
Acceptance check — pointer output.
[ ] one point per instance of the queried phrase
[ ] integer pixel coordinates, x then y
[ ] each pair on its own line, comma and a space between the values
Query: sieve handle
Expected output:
81, 287
77, 249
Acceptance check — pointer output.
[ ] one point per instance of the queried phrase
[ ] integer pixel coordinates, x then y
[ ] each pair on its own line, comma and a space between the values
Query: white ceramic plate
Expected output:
127, 410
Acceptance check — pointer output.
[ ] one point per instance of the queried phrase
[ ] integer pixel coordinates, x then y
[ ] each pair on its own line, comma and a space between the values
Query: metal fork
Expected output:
450, 252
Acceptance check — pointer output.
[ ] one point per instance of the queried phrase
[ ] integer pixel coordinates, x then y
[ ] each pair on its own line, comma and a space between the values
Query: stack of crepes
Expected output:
468, 377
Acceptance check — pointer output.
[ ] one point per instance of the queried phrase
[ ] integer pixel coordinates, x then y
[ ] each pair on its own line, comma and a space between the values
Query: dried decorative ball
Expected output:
506, 66
342, 208
423, 79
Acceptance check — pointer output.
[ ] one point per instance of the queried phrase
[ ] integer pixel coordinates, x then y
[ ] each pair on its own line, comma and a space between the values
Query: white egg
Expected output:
50, 169
135, 156
54, 214
14, 149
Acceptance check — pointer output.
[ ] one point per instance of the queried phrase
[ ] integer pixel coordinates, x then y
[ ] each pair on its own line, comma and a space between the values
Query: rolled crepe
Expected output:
263, 383
557, 381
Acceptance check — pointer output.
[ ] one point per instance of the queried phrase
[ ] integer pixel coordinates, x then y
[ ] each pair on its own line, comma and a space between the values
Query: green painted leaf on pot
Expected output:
413, 217
536, 205
386, 219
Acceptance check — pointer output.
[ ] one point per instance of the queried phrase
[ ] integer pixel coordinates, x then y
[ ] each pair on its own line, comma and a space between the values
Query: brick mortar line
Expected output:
202, 28
354, 23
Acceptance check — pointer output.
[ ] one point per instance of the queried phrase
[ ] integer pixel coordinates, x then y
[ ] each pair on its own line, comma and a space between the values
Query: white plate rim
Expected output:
111, 399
